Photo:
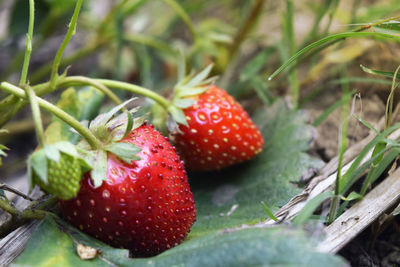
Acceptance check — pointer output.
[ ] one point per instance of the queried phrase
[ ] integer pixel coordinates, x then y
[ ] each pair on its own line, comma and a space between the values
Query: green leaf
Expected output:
308, 210
329, 40
391, 27
352, 196
38, 163
82, 105
54, 244
388, 74
125, 151
99, 171
269, 212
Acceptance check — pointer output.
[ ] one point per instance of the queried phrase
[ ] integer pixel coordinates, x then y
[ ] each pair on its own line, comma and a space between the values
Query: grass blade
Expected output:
304, 215
335, 37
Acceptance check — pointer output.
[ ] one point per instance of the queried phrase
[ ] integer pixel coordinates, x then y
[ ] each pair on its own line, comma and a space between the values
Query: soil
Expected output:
383, 251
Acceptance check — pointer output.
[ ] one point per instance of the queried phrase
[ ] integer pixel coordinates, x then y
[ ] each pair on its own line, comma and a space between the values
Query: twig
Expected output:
15, 191
37, 210
354, 220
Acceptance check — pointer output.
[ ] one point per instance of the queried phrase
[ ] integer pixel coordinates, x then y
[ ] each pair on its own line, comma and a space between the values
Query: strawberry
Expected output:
210, 129
219, 134
145, 204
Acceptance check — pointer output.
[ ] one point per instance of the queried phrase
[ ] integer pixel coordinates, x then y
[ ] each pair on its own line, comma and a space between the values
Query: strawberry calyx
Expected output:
185, 94
110, 128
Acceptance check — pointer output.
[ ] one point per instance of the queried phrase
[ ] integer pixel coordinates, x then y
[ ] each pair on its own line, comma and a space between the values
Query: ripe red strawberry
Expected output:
219, 134
145, 206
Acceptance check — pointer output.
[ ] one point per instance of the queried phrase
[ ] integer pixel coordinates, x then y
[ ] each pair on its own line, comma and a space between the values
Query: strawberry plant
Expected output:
167, 143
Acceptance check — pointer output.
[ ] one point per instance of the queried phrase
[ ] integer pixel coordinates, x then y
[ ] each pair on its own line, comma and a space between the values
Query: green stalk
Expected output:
44, 88
90, 138
342, 148
136, 90
8, 208
100, 84
82, 80
37, 119
70, 33
28, 42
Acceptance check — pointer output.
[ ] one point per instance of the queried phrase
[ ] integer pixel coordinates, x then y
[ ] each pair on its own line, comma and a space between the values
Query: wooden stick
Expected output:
362, 214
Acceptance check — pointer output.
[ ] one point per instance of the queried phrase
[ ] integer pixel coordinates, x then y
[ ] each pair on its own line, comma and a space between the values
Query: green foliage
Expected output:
82, 105
54, 243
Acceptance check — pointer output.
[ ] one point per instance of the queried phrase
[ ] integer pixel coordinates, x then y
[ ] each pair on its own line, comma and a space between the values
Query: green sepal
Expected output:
99, 171
192, 91
37, 162
196, 80
185, 92
178, 115
110, 128
67, 148
86, 159
125, 151
184, 102
129, 124
98, 124
52, 153
120, 126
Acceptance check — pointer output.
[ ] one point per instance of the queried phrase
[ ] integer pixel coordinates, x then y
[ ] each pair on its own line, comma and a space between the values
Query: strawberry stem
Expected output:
37, 119
28, 43
82, 80
68, 36
136, 90
90, 138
